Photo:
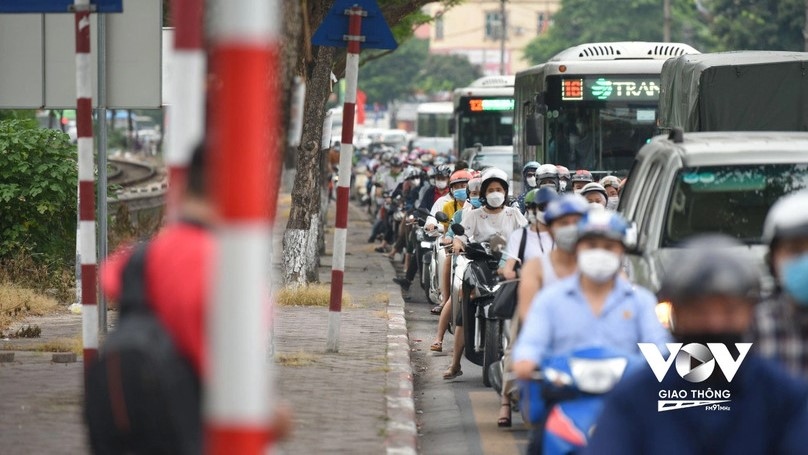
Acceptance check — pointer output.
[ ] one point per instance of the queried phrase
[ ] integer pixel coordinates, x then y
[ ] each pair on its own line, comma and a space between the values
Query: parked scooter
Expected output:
567, 395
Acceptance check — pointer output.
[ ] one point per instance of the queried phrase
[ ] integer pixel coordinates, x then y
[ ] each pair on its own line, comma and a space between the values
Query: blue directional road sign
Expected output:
57, 6
335, 26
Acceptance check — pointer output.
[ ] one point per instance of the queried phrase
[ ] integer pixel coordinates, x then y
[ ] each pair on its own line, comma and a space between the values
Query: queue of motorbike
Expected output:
567, 392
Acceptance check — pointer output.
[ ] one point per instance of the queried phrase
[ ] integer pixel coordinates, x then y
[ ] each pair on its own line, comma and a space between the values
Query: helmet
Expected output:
426, 157
474, 184
610, 181
596, 187
395, 162
582, 175
539, 197
787, 218
411, 172
492, 174
547, 171
708, 265
603, 223
461, 176
563, 172
568, 204
443, 171
530, 165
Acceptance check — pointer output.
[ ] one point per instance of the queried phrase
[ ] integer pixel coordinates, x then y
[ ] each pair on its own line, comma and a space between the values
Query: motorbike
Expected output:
567, 394
478, 269
423, 241
433, 262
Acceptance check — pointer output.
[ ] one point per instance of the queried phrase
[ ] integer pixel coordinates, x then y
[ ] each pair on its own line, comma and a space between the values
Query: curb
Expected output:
402, 435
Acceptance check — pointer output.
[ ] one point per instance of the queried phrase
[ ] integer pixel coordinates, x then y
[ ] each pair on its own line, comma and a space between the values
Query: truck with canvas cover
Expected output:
735, 91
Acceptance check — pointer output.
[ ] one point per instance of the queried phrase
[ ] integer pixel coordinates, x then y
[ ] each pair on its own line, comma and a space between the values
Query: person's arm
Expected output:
511, 252
651, 330
534, 338
529, 285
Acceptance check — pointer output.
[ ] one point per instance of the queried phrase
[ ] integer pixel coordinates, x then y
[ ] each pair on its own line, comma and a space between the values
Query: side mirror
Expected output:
534, 133
442, 217
458, 229
497, 243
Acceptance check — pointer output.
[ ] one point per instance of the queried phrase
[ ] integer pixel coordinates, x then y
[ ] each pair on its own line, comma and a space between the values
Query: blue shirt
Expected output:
561, 321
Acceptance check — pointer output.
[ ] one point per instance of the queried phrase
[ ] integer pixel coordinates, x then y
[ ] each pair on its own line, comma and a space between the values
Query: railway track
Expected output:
141, 185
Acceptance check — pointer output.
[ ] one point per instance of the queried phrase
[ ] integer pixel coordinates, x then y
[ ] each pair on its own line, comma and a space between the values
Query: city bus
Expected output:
433, 127
591, 106
483, 113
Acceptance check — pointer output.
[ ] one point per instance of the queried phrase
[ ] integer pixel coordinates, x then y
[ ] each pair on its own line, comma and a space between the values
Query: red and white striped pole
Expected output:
244, 163
353, 37
84, 127
186, 111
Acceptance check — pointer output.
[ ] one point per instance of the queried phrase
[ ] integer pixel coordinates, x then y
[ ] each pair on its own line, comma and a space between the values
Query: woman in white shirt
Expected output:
493, 218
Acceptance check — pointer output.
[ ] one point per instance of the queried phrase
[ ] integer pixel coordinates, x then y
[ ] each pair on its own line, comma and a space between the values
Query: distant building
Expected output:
474, 29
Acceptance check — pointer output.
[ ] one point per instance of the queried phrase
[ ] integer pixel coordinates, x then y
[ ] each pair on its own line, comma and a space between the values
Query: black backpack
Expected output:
142, 396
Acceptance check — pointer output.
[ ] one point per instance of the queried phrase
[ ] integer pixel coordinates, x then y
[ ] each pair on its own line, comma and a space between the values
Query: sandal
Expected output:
452, 373
436, 310
437, 346
504, 422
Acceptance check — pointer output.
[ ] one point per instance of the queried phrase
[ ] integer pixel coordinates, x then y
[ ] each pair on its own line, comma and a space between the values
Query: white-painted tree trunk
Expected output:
300, 259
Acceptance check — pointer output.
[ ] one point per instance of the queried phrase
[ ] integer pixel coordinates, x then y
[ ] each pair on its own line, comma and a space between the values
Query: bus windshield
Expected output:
487, 121
599, 127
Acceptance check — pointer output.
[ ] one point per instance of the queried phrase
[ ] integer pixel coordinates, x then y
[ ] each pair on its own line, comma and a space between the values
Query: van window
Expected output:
732, 200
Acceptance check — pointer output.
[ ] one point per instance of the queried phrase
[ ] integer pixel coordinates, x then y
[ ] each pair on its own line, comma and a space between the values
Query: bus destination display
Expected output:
489, 104
604, 88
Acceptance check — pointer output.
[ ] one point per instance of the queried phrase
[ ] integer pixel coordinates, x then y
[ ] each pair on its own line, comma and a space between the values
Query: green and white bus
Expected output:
591, 106
483, 113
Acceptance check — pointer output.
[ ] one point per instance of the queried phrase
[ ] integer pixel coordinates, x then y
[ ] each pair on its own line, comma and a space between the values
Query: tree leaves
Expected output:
38, 190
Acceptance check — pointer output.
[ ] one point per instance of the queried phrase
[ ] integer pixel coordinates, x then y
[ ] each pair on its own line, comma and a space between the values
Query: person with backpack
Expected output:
144, 391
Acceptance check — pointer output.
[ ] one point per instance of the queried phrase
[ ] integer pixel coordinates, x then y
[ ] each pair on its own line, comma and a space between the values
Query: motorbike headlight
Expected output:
597, 376
663, 313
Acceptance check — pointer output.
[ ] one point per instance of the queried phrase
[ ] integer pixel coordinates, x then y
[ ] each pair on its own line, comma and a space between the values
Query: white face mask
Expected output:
495, 199
531, 181
565, 237
441, 184
598, 264
562, 185
613, 202
416, 182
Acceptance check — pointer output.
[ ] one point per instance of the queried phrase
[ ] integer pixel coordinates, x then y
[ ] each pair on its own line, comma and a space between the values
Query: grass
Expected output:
73, 345
295, 359
316, 295
17, 303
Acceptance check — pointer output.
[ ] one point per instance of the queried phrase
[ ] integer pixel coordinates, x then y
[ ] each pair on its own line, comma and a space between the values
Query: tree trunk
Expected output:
290, 59
300, 258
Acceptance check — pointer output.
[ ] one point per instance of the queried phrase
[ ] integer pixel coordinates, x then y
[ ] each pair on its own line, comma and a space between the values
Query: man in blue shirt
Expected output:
595, 307
752, 406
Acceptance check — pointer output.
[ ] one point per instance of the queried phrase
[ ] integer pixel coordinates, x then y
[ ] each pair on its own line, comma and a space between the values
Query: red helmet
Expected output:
461, 176
582, 175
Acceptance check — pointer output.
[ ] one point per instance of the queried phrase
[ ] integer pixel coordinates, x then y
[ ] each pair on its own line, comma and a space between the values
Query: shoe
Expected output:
436, 346
403, 282
436, 310
505, 421
380, 249
452, 373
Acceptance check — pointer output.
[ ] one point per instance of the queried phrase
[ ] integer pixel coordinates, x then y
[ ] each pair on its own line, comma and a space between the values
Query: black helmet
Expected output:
709, 265
443, 171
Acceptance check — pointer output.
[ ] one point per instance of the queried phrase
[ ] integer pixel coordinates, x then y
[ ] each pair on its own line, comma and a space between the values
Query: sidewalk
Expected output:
356, 401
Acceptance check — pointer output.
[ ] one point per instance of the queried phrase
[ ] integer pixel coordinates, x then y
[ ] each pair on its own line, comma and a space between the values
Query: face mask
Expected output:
475, 202
416, 182
613, 202
460, 195
598, 265
562, 185
795, 279
540, 217
495, 200
531, 181
565, 237
531, 217
441, 184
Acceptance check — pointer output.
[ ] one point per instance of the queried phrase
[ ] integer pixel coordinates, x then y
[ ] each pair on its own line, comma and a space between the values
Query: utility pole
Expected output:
503, 35
666, 18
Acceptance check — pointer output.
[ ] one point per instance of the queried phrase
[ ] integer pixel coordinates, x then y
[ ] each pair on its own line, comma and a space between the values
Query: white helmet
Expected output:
547, 171
491, 174
788, 217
